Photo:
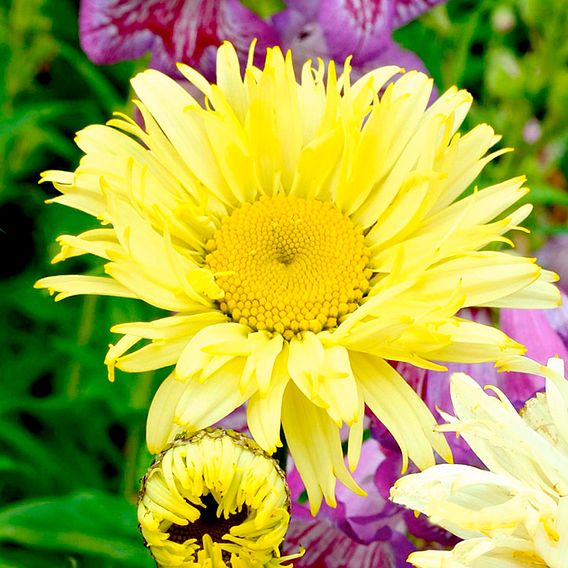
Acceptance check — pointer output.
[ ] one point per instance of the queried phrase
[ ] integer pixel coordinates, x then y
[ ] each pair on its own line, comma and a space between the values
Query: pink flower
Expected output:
543, 332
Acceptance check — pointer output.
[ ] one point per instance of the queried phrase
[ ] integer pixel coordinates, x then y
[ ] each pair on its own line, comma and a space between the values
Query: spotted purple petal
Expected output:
112, 30
387, 474
327, 546
361, 530
299, 30
361, 28
420, 527
173, 30
406, 10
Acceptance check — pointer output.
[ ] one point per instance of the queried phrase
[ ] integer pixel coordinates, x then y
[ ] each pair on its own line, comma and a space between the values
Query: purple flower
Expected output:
172, 30
361, 531
335, 29
191, 30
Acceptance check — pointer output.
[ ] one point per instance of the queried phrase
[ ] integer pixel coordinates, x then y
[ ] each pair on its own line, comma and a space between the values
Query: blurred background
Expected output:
71, 443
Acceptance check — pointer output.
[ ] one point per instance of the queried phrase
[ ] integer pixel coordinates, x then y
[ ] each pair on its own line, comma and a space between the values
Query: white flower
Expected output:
516, 514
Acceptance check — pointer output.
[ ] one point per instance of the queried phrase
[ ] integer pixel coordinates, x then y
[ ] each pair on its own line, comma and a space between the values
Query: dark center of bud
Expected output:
208, 523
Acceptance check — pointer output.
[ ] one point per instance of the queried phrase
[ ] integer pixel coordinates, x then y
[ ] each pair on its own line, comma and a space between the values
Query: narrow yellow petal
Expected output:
401, 410
313, 440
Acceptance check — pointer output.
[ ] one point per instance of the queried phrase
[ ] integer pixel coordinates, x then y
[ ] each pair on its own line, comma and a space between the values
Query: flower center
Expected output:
288, 264
208, 523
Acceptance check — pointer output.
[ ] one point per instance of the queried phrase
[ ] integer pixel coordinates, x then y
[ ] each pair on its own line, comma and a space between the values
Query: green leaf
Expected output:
21, 558
264, 8
91, 523
9, 464
33, 113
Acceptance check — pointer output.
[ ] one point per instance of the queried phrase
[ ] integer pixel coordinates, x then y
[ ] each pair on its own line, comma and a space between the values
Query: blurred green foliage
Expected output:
71, 443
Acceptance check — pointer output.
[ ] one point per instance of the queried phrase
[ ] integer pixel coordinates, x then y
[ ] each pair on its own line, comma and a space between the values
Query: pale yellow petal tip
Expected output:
315, 505
111, 363
443, 449
272, 449
110, 368
179, 376
404, 466
455, 91
556, 364
252, 48
203, 282
153, 448
459, 377
41, 284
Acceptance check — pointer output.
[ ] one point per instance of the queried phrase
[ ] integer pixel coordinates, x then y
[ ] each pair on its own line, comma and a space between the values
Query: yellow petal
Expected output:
265, 409
73, 285
203, 403
313, 440
160, 426
402, 411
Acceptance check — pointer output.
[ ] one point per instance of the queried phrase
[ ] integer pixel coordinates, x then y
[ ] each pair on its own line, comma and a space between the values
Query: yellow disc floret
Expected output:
288, 264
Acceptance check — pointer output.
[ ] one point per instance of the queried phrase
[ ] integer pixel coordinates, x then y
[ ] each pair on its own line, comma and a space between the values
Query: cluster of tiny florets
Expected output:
288, 265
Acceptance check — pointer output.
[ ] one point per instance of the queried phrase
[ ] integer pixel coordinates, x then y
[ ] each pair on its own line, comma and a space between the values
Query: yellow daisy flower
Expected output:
214, 499
516, 514
303, 233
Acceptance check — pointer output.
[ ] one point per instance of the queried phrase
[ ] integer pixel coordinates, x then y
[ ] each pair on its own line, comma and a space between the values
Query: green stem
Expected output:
139, 400
85, 331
